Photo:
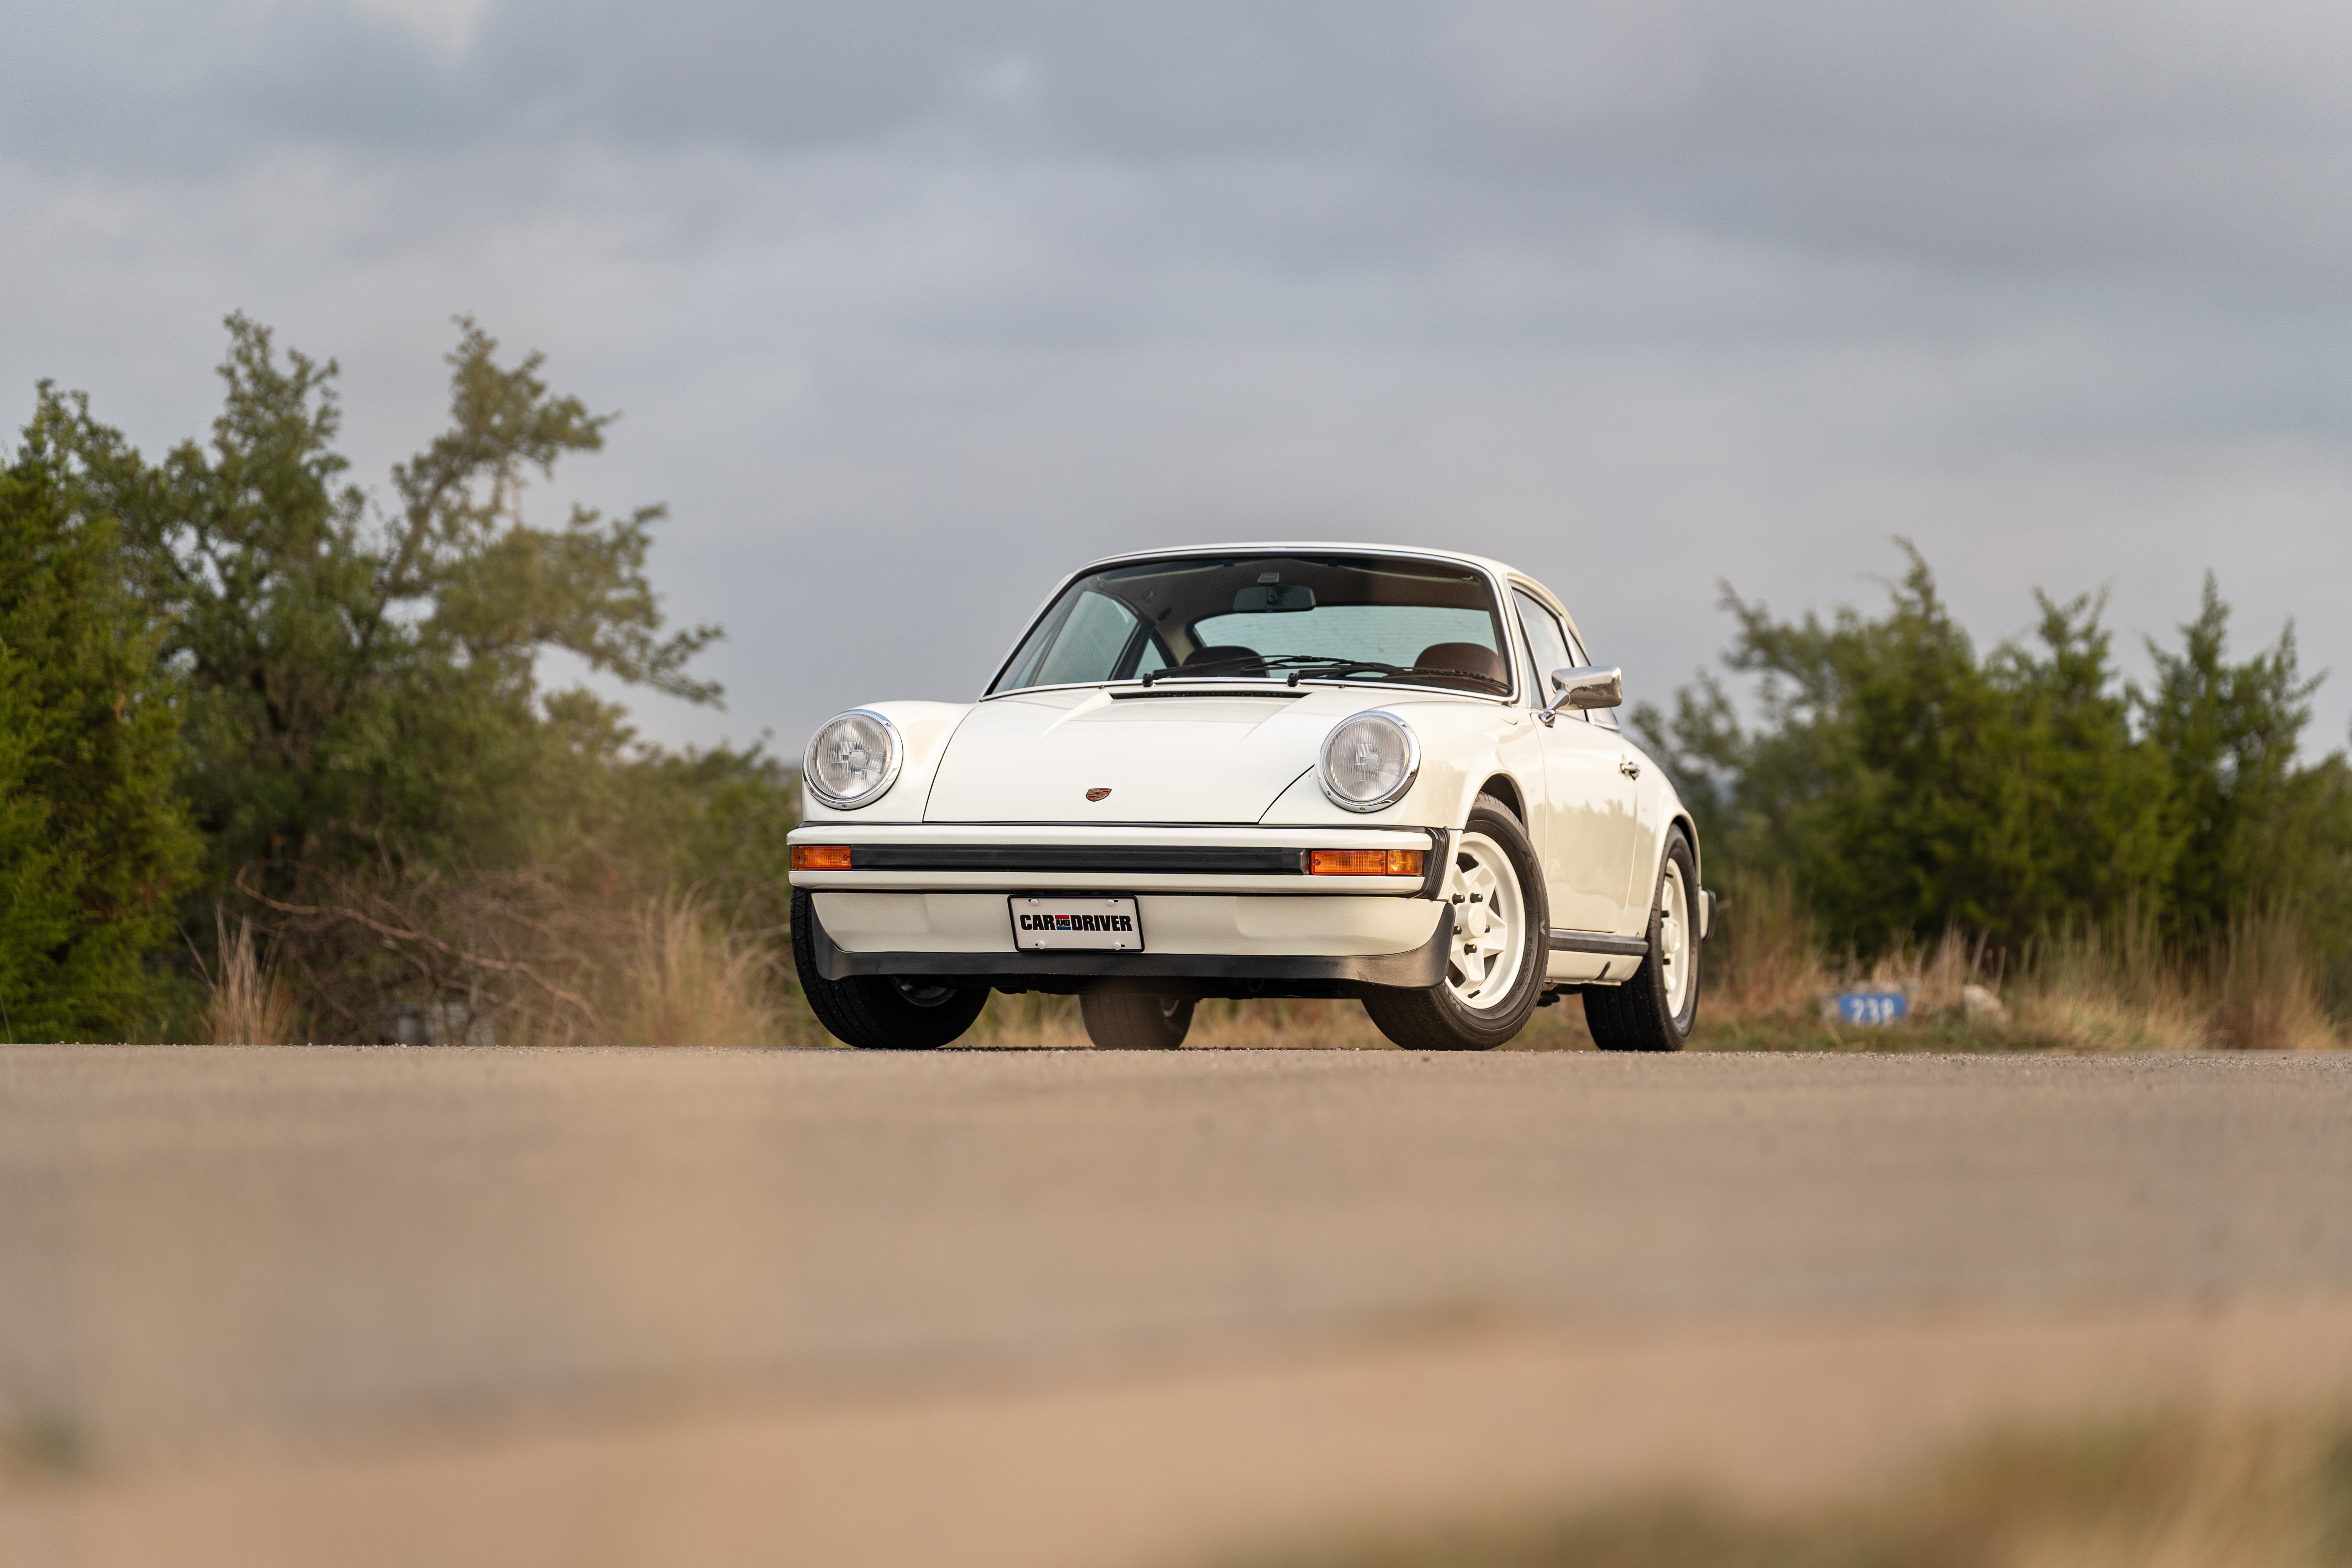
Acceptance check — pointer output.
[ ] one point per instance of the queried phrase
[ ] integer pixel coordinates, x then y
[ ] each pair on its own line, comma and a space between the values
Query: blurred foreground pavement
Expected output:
362, 1306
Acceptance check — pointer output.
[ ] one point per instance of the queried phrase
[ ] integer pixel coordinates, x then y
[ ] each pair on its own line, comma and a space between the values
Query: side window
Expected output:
1547, 643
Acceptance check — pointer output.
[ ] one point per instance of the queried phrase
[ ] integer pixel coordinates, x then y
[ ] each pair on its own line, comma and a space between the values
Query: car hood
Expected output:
1172, 755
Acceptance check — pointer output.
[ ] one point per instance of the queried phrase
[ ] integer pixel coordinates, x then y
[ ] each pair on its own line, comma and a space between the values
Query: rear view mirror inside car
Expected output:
1259, 598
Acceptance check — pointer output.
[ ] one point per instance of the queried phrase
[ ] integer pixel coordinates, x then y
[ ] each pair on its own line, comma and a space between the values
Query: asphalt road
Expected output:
204, 1249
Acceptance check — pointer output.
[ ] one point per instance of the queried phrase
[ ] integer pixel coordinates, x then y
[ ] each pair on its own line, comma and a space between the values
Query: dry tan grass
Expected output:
2263, 995
2116, 987
528, 958
1762, 959
248, 1004
2119, 988
690, 984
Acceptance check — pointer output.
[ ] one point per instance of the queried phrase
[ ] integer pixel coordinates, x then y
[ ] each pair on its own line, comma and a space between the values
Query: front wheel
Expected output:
879, 1013
1495, 964
1657, 1009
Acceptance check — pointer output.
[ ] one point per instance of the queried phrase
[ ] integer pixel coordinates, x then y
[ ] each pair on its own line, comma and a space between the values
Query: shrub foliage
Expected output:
1907, 783
95, 845
338, 687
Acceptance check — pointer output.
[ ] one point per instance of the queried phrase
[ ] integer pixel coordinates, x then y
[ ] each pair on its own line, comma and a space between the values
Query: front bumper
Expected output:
1157, 971
1224, 911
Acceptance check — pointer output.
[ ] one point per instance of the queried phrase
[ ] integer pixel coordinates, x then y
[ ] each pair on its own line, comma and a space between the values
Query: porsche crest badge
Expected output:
1097, 793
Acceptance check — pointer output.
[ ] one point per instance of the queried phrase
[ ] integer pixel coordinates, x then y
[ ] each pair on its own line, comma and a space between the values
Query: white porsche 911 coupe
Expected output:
1257, 770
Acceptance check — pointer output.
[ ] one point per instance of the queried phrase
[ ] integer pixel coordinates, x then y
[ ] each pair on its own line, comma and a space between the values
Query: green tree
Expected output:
94, 842
2230, 733
1905, 783
361, 674
2096, 836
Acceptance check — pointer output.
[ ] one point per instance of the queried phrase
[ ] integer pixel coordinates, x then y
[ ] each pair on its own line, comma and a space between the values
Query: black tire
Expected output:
1635, 1017
876, 1013
1436, 1019
1122, 1021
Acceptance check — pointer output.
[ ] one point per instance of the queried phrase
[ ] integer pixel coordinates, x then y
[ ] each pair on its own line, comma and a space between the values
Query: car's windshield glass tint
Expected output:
1370, 618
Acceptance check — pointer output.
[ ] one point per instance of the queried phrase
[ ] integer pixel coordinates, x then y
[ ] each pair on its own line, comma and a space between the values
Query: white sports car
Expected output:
1257, 770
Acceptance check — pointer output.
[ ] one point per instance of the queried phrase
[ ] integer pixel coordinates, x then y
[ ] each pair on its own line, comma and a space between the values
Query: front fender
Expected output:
1463, 750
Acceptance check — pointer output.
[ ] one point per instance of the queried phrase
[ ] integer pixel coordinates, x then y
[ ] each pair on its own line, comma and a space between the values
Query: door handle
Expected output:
1629, 767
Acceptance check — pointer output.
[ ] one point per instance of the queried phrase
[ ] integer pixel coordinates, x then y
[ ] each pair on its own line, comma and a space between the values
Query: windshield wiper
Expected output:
1304, 664
1186, 671
1482, 678
1301, 664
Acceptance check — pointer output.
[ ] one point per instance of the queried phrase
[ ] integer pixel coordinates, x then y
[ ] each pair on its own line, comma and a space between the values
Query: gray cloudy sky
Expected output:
911, 305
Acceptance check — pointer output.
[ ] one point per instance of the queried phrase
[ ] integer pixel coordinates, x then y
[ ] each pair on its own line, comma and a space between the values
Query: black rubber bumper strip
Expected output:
1114, 858
1440, 861
1415, 969
1600, 941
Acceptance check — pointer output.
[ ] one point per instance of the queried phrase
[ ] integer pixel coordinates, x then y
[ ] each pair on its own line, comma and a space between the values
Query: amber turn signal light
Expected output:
1362, 862
820, 856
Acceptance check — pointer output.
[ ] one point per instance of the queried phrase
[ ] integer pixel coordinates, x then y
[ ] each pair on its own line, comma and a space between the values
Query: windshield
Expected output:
1374, 618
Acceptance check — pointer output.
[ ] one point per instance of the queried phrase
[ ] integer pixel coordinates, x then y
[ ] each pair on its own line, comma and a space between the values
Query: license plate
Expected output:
1098, 925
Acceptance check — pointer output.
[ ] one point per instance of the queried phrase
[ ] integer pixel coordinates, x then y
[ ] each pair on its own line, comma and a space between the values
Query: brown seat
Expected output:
1226, 658
1466, 657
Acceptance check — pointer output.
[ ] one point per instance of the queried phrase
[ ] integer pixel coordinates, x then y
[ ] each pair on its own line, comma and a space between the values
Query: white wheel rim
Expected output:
1490, 923
1673, 939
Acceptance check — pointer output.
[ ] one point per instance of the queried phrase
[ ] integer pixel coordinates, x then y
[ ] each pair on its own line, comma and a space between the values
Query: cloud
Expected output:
446, 25
933, 299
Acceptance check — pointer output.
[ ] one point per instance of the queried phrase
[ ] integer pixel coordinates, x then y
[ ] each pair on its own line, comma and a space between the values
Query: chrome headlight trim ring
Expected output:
894, 758
1395, 792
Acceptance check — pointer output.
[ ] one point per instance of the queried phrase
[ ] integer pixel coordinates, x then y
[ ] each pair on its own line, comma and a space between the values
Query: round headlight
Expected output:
852, 758
1368, 762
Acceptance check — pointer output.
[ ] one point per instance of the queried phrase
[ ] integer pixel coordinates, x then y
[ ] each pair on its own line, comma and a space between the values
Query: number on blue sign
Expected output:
1873, 1007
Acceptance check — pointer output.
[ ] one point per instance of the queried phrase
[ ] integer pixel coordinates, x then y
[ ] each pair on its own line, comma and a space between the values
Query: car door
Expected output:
1591, 826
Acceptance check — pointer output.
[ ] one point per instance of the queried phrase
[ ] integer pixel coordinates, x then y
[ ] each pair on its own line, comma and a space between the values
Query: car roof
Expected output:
1501, 570
1251, 546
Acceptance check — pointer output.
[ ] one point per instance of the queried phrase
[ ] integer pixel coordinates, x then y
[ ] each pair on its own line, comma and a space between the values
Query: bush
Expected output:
94, 841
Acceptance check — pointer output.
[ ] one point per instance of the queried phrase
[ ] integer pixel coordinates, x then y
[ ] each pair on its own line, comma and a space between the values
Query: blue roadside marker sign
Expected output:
1873, 1006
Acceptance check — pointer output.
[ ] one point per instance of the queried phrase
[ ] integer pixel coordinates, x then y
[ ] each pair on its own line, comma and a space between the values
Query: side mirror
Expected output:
1586, 686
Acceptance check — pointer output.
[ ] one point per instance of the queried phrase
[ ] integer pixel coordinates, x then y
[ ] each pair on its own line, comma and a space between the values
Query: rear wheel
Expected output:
1124, 1022
1495, 964
880, 1013
1657, 1009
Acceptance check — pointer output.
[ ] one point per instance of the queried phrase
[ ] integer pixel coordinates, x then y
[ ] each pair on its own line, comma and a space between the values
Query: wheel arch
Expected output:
1503, 787
1679, 816
1682, 818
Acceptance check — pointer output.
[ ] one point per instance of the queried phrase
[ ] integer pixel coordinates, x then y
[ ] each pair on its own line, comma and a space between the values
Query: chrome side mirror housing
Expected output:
1590, 686
1586, 686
